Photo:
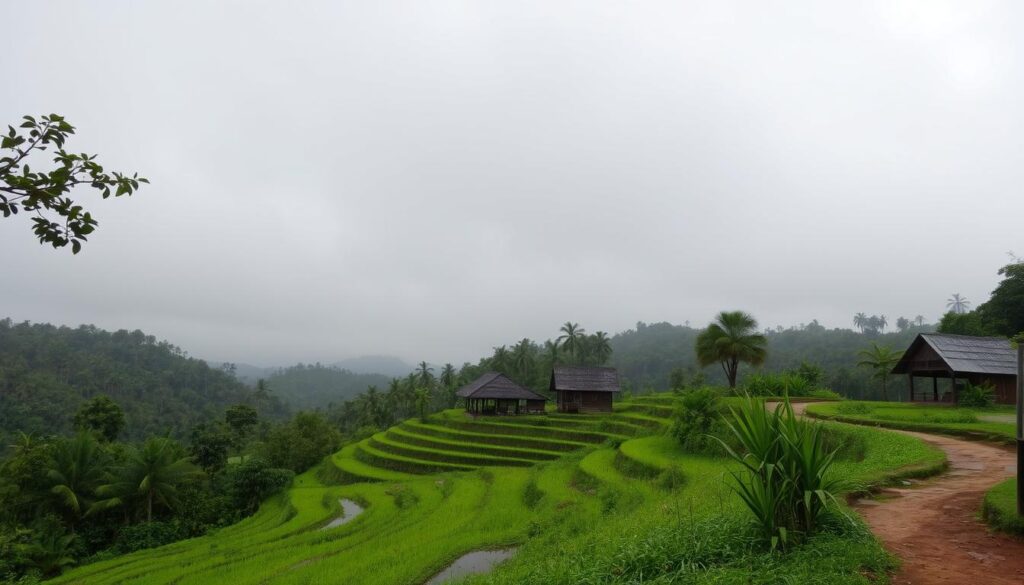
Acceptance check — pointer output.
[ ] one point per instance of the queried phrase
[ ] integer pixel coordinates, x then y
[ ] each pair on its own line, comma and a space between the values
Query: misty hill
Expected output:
388, 365
645, 355
305, 387
47, 372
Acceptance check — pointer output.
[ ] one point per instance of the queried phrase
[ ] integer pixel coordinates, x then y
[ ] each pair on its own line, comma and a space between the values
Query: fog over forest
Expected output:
337, 179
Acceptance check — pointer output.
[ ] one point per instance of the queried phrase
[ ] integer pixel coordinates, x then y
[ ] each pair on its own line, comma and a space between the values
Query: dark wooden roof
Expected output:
584, 378
962, 354
494, 385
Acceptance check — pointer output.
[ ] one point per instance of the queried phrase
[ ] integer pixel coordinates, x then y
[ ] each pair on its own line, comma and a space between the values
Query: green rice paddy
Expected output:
556, 486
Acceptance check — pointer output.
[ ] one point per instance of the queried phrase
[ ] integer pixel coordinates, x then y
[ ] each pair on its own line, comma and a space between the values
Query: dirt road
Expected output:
933, 525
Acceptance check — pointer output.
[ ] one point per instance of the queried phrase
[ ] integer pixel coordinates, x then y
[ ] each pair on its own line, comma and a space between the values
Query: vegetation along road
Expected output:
933, 526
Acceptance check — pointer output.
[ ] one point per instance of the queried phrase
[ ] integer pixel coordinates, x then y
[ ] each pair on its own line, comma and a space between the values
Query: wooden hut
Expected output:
495, 393
584, 388
960, 358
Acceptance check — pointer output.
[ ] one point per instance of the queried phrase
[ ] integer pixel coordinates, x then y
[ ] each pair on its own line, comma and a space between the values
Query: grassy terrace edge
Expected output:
825, 411
999, 508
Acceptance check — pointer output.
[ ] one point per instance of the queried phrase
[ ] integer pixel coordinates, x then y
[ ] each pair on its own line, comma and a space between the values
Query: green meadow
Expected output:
606, 498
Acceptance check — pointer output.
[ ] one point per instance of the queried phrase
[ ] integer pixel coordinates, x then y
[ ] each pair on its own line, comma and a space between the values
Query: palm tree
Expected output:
77, 468
151, 475
602, 347
551, 352
571, 338
881, 323
499, 361
730, 340
958, 304
425, 374
860, 321
448, 376
881, 359
919, 320
522, 358
421, 397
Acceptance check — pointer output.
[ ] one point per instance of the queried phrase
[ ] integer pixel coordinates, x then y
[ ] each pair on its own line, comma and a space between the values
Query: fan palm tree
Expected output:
732, 339
958, 304
881, 359
602, 347
77, 468
571, 338
150, 476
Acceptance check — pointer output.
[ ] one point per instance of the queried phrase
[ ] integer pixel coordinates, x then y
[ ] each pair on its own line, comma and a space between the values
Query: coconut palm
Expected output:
602, 347
551, 352
730, 340
958, 304
76, 469
881, 359
425, 374
150, 476
861, 321
421, 398
919, 320
522, 358
571, 338
500, 359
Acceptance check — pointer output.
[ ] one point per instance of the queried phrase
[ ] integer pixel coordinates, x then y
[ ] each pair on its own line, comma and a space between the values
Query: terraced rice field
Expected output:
435, 490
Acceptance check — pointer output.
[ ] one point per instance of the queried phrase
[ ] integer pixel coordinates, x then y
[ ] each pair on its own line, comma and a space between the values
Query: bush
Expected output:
802, 382
254, 480
147, 535
696, 419
980, 395
532, 494
785, 481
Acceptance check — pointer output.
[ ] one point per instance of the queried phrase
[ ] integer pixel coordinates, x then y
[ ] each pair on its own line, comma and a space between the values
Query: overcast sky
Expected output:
431, 179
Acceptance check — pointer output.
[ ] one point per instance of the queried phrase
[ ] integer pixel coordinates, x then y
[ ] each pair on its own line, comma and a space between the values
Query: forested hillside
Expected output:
47, 372
646, 355
306, 387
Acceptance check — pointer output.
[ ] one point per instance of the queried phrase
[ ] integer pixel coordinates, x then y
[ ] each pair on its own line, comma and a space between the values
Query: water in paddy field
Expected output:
349, 510
479, 561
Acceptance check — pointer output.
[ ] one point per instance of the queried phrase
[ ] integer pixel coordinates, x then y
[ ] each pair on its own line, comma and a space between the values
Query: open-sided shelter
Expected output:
584, 388
495, 393
961, 358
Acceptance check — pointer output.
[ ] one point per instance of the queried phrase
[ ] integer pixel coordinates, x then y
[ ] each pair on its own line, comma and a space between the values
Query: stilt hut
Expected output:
959, 358
584, 388
495, 393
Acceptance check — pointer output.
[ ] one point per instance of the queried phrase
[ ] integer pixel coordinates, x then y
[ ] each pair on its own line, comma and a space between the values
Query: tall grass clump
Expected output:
698, 420
785, 461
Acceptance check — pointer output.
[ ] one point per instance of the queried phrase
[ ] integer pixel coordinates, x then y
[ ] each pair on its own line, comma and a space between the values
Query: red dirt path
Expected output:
933, 526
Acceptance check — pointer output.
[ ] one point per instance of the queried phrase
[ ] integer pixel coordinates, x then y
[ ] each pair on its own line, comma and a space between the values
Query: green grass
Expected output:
584, 505
999, 508
963, 422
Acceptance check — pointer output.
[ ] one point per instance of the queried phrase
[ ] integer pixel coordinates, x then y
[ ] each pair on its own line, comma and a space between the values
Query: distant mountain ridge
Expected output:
387, 365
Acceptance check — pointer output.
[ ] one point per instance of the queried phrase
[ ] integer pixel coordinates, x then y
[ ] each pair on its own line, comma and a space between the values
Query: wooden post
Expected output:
1020, 429
910, 375
956, 396
935, 388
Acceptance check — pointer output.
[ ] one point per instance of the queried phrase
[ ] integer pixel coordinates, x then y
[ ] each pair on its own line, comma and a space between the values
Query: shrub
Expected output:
825, 394
403, 496
254, 480
147, 535
696, 418
979, 395
785, 481
532, 494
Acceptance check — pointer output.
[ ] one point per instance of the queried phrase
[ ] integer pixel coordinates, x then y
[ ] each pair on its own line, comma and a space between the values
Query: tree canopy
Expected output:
732, 339
57, 219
